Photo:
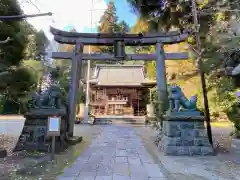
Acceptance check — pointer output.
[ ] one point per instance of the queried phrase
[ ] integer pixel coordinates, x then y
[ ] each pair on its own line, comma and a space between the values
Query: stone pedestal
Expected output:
185, 134
34, 134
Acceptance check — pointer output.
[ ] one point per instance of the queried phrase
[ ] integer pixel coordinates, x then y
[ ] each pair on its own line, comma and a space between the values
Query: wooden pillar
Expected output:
75, 77
161, 78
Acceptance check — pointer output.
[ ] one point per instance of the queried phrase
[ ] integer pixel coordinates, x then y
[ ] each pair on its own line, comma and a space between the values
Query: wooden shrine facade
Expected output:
119, 90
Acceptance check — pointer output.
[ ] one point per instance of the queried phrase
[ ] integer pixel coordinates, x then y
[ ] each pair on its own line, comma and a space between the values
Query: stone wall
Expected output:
185, 137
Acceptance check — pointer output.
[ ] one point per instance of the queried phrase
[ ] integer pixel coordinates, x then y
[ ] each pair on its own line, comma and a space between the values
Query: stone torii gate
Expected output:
119, 41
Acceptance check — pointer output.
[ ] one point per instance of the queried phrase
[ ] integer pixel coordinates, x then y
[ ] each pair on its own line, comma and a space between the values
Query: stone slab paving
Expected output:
116, 154
220, 167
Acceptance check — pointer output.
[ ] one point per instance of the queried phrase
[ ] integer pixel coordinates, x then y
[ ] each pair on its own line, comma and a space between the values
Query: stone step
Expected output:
119, 120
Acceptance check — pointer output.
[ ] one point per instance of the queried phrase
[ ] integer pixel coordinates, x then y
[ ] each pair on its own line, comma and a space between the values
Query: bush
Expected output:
10, 107
156, 109
233, 114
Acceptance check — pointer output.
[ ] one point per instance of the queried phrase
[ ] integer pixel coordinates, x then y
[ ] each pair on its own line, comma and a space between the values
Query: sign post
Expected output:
53, 130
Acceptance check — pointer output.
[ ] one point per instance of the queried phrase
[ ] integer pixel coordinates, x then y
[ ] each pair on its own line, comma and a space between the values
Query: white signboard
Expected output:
54, 126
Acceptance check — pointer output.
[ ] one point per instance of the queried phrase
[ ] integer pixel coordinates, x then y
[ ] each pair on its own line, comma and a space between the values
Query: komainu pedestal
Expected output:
183, 131
34, 134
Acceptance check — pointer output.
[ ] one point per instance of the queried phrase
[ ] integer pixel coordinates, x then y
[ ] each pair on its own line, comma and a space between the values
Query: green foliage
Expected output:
11, 53
234, 115
17, 83
17, 80
81, 96
62, 72
41, 43
156, 106
61, 75
122, 27
215, 38
109, 24
37, 41
36, 66
175, 13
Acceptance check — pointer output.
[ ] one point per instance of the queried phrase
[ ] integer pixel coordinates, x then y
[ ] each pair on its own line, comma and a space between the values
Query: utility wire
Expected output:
19, 17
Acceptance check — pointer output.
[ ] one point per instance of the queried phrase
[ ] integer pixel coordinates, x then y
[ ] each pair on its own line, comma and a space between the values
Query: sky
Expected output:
76, 13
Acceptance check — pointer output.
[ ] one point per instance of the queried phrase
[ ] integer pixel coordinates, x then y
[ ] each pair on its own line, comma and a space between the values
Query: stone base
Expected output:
150, 119
185, 137
74, 140
34, 134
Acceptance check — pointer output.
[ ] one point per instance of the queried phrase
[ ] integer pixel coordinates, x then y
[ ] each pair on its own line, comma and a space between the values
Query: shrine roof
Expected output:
121, 75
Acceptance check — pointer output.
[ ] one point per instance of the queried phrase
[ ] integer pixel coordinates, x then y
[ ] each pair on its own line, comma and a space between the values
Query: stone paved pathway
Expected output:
116, 154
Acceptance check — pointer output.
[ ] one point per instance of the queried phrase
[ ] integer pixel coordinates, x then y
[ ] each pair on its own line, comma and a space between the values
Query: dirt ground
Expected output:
33, 166
7, 142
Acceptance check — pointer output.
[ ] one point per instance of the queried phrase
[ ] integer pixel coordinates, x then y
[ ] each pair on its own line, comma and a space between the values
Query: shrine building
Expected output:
119, 90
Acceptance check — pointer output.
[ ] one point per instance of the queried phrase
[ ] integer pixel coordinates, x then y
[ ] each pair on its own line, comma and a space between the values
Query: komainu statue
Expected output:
183, 131
52, 98
178, 101
41, 107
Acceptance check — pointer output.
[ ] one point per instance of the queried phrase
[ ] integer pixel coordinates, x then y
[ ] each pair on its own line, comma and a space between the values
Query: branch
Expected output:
199, 54
33, 4
5, 41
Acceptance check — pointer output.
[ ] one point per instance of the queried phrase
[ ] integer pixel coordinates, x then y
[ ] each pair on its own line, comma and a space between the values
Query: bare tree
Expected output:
30, 2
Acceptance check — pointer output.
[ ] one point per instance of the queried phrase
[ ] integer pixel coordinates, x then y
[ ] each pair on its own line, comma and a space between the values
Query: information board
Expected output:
54, 126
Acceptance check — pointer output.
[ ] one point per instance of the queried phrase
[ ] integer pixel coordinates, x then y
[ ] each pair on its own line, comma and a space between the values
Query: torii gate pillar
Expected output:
73, 90
161, 78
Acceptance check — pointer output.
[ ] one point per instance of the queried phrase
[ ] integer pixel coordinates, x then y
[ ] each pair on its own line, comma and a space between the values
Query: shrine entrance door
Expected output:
115, 109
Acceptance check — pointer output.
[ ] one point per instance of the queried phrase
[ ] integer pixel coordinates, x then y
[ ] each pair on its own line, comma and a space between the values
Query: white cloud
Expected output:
65, 12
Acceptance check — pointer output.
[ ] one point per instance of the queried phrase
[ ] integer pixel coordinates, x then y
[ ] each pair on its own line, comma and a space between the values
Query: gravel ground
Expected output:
7, 142
9, 163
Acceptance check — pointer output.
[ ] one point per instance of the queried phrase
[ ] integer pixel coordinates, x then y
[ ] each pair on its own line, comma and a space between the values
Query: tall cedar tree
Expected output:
109, 24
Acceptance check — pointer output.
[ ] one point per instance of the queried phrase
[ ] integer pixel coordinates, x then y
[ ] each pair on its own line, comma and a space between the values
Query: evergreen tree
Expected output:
13, 52
16, 81
214, 22
109, 24
37, 42
123, 27
42, 43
